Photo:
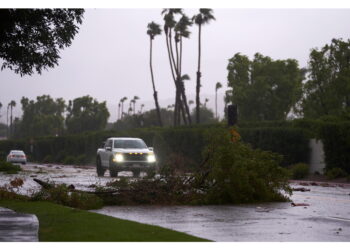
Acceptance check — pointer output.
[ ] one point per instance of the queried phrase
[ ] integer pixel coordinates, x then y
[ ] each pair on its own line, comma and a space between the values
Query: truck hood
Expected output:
131, 150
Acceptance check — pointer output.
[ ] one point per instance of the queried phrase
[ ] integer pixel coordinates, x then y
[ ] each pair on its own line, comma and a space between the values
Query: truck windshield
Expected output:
129, 144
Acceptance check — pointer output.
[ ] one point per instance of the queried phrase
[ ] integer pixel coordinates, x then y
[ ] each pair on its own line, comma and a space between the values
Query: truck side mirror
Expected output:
109, 148
150, 148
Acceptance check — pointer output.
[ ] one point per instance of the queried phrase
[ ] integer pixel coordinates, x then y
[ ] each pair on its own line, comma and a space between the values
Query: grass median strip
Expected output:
59, 223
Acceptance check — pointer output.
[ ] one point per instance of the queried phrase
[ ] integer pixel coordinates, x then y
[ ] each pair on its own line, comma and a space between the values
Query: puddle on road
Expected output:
326, 219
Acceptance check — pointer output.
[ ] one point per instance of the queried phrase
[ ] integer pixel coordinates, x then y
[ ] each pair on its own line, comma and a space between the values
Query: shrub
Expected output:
238, 173
299, 171
48, 159
69, 160
80, 160
336, 173
62, 195
9, 168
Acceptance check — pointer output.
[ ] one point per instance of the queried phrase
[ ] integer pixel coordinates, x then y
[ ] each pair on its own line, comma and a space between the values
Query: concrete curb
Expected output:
18, 227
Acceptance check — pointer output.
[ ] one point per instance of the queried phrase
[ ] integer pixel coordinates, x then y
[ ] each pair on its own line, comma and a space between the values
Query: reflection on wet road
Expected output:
327, 218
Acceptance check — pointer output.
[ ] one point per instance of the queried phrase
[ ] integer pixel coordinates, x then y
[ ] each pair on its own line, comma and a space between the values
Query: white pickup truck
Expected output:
125, 154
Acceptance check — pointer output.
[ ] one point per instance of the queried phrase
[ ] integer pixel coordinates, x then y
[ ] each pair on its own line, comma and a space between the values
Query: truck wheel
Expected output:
136, 173
113, 171
99, 169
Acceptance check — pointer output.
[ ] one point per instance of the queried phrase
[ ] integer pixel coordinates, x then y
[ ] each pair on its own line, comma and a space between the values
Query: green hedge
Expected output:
291, 143
186, 143
336, 141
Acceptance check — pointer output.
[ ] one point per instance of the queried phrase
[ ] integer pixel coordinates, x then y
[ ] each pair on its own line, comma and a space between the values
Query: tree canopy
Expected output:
30, 39
327, 89
263, 88
41, 117
86, 114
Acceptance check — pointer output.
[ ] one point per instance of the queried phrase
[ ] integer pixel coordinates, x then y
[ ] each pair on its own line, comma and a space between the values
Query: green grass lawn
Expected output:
59, 223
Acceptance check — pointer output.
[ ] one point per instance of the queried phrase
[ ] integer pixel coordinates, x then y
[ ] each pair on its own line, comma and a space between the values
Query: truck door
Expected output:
106, 153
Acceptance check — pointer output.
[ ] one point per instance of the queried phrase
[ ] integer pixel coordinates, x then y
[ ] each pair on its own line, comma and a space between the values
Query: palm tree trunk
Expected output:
7, 122
183, 93
173, 75
155, 94
122, 108
216, 103
198, 75
11, 130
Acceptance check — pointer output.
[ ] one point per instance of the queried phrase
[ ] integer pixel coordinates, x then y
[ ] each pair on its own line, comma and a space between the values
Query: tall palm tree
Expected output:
169, 25
134, 101
203, 17
217, 86
118, 114
130, 106
181, 31
205, 102
153, 30
122, 102
142, 106
12, 104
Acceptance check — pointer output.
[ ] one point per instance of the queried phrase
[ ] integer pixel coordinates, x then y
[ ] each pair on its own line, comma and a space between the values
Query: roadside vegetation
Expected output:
60, 223
9, 168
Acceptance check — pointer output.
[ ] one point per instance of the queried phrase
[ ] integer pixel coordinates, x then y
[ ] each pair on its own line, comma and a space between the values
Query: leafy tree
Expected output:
264, 89
217, 86
203, 17
327, 89
86, 114
153, 30
30, 39
41, 117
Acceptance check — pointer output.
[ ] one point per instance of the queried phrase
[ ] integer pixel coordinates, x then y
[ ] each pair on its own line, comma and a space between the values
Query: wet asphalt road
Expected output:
327, 218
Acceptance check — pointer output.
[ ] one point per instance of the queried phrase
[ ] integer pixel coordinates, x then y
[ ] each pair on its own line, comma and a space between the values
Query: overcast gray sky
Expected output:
109, 57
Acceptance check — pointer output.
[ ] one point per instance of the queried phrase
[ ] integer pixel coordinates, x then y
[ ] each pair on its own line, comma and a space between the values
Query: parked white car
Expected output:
17, 156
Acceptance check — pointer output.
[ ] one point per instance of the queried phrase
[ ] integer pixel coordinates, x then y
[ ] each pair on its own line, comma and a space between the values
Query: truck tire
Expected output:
99, 169
113, 172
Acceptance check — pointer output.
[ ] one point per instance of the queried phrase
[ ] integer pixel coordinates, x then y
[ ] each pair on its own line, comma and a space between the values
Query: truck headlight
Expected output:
118, 158
151, 158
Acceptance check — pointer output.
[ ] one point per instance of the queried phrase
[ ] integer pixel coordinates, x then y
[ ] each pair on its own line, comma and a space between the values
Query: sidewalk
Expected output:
17, 227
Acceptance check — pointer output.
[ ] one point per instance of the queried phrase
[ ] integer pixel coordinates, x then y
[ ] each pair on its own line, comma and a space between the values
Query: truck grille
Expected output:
135, 157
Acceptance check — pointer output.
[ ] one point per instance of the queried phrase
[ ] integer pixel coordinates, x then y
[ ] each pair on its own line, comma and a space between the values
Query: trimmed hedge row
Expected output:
336, 141
186, 143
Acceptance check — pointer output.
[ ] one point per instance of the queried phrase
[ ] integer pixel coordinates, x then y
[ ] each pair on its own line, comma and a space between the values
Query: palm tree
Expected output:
122, 102
205, 102
142, 106
0, 108
12, 104
217, 86
134, 101
181, 31
118, 114
203, 17
169, 25
130, 106
190, 102
153, 30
